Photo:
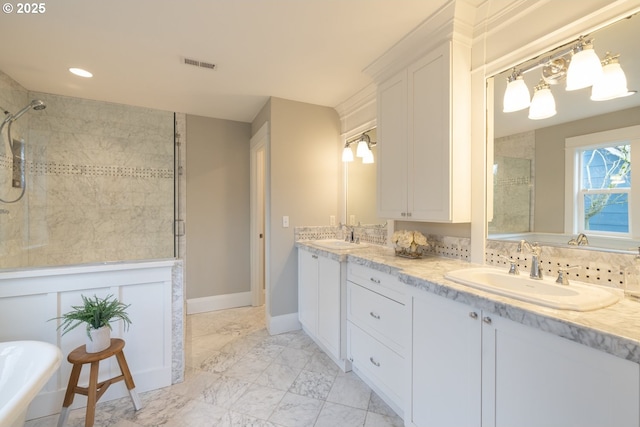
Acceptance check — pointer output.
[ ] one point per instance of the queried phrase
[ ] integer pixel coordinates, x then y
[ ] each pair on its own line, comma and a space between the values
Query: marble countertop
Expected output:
614, 329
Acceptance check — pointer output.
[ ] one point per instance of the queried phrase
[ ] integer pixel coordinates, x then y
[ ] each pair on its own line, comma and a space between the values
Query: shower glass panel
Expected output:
99, 182
512, 195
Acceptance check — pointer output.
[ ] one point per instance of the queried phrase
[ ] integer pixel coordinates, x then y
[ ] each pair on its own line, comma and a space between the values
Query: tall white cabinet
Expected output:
423, 141
472, 368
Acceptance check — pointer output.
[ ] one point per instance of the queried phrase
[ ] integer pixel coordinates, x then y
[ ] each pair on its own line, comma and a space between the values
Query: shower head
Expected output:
36, 104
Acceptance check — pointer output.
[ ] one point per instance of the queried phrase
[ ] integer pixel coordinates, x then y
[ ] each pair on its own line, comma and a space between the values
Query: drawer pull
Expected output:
314, 256
487, 320
373, 362
374, 280
374, 315
473, 315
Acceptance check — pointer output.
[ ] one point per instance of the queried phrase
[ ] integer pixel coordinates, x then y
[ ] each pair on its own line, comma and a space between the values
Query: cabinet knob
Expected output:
403, 214
473, 315
374, 280
487, 320
408, 213
374, 315
373, 362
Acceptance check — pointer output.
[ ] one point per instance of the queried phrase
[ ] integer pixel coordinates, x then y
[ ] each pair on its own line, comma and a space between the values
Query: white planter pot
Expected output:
100, 340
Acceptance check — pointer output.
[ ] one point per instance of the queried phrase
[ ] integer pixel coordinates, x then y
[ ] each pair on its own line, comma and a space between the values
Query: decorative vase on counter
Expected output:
98, 339
409, 244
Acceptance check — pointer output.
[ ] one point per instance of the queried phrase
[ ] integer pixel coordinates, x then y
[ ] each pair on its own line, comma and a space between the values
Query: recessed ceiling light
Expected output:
80, 72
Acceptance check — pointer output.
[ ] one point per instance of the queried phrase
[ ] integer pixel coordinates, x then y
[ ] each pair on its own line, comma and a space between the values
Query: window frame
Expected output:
574, 201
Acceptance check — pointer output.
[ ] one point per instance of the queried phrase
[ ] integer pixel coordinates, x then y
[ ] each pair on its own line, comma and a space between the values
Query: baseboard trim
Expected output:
284, 323
218, 302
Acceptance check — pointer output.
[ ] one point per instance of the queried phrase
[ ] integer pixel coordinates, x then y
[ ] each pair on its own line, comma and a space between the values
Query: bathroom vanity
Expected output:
445, 354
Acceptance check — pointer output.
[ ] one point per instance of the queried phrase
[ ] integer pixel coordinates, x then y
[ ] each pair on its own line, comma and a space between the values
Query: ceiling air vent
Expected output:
201, 64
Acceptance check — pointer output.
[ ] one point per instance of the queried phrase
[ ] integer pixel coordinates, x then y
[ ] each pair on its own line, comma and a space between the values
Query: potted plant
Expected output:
97, 313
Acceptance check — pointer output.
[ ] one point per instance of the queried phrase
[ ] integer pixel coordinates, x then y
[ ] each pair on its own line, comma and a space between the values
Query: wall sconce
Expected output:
584, 69
363, 149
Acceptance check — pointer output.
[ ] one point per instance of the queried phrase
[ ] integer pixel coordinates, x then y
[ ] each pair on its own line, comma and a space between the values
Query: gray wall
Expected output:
303, 184
549, 163
218, 207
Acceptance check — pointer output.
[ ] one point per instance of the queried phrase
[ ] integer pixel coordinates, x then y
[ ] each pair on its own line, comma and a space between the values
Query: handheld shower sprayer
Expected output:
17, 149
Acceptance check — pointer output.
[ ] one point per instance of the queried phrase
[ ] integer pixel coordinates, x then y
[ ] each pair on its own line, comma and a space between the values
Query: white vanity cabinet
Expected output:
321, 302
378, 322
424, 138
472, 368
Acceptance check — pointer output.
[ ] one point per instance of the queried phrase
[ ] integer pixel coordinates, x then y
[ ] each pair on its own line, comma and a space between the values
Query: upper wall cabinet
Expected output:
424, 138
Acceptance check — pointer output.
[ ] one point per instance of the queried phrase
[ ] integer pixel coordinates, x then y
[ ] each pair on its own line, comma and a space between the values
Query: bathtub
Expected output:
25, 367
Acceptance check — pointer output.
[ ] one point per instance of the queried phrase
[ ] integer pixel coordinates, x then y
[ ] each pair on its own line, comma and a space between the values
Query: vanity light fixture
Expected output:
80, 72
516, 96
584, 68
576, 62
613, 83
363, 150
543, 104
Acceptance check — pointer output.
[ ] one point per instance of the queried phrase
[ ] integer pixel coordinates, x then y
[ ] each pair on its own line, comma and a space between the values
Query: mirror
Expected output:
361, 188
529, 155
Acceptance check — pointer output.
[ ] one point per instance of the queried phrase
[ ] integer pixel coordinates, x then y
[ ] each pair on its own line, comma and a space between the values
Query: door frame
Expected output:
259, 142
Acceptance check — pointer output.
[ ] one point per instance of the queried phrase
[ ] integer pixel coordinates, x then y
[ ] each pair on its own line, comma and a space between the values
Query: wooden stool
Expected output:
94, 391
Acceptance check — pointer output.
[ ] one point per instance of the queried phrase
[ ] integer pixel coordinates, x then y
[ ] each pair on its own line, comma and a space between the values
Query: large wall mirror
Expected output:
529, 196
361, 186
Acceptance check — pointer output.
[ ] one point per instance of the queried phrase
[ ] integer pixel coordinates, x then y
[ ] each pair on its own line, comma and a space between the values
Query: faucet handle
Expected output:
513, 266
562, 274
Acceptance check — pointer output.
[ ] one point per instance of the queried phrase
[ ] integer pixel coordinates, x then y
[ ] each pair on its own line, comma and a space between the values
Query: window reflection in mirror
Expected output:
361, 188
529, 155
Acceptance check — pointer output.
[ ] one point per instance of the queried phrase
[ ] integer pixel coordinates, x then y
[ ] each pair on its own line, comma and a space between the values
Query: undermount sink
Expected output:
338, 244
546, 292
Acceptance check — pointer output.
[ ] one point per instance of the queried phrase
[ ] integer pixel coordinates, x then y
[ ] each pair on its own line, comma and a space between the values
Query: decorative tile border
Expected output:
40, 169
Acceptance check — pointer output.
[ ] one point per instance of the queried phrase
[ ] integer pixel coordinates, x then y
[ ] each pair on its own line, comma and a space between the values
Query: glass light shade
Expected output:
362, 149
516, 96
347, 155
368, 158
612, 84
543, 105
584, 69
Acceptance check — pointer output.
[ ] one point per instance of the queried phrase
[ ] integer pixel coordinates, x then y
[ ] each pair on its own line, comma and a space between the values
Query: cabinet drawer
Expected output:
380, 364
377, 281
378, 315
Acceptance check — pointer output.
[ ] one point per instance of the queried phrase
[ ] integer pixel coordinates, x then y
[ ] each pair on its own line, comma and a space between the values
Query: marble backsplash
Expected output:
99, 182
444, 246
589, 266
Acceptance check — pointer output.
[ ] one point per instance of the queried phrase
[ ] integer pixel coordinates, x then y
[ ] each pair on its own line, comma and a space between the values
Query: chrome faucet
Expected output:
535, 249
580, 240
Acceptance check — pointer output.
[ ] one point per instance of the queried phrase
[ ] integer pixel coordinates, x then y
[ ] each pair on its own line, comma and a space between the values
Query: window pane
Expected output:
606, 212
607, 167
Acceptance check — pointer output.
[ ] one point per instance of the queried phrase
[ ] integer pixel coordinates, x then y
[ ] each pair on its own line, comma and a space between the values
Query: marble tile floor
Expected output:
238, 375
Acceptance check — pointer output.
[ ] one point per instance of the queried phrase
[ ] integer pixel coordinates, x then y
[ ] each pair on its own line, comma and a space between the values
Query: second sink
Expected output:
576, 296
338, 244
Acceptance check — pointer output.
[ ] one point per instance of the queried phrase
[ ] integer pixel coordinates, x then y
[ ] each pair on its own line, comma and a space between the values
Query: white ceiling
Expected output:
305, 50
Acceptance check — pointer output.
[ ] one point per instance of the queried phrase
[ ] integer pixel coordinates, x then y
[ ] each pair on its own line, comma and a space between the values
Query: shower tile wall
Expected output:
99, 185
513, 191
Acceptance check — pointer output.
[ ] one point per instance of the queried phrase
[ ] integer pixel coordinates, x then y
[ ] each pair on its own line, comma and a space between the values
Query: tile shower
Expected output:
100, 182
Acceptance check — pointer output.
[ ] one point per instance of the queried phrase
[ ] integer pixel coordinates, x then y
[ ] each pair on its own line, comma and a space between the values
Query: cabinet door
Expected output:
429, 138
446, 363
308, 290
541, 379
392, 148
329, 313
